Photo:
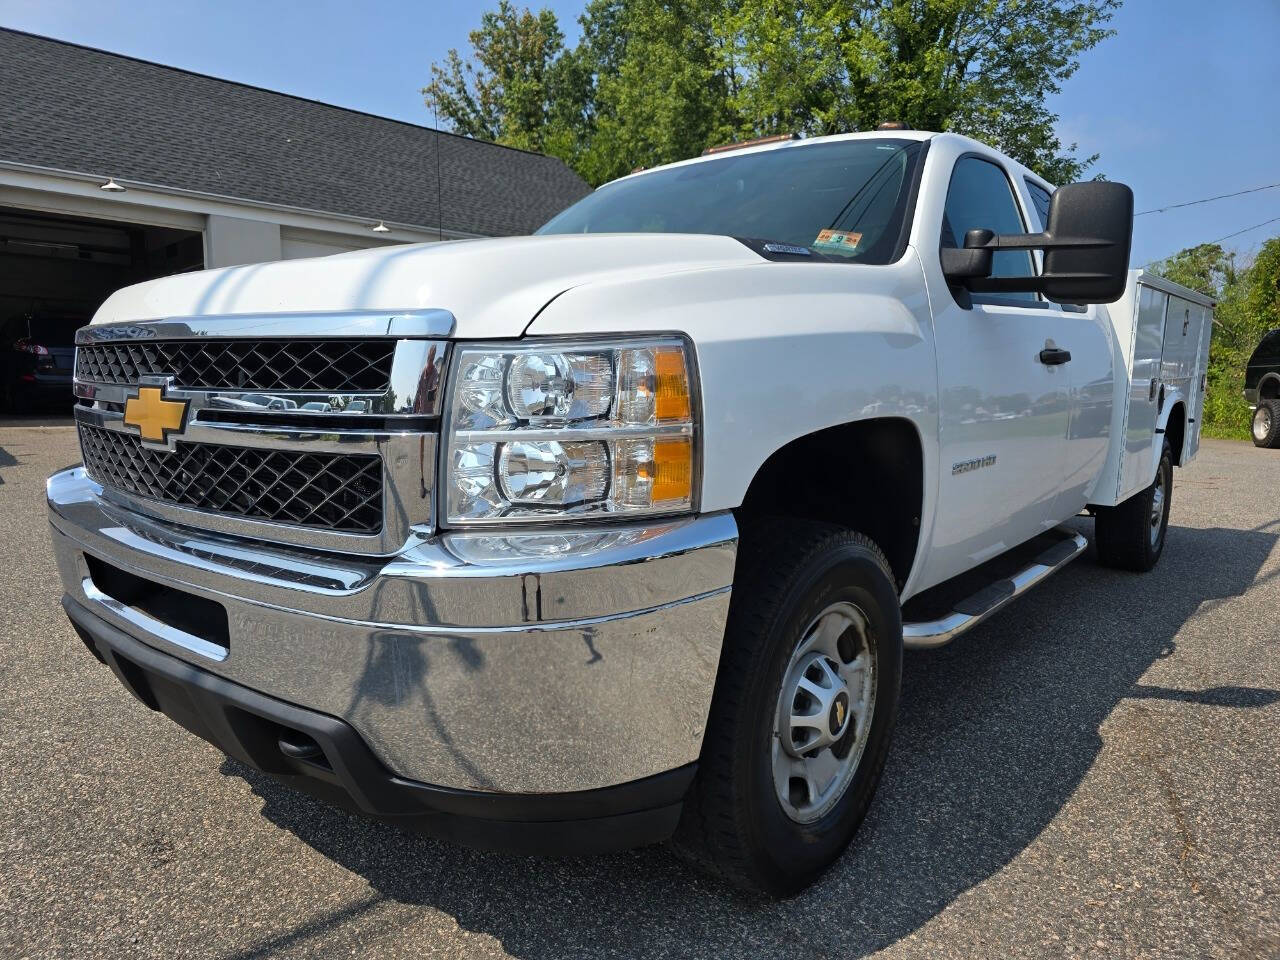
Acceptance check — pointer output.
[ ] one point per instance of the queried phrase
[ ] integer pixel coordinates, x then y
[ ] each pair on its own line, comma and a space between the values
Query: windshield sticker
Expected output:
839, 242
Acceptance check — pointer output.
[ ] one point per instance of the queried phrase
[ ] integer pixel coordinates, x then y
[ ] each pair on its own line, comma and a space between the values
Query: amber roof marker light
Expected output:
743, 144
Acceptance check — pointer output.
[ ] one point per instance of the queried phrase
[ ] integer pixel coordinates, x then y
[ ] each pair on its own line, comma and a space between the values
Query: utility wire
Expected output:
1219, 240
1192, 203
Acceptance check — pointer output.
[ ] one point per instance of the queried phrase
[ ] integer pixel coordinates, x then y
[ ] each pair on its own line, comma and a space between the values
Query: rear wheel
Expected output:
1266, 424
804, 708
1131, 536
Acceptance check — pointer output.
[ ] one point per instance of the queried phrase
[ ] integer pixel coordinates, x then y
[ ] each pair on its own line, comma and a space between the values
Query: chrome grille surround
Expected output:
352, 470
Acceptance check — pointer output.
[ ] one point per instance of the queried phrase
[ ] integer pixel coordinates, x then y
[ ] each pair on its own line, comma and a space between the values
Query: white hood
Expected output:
492, 287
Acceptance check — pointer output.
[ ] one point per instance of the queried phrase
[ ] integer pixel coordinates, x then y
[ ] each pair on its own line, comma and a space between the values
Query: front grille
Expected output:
338, 492
324, 366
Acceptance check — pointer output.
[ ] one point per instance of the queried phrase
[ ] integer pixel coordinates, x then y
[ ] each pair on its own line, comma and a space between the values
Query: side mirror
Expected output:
1086, 247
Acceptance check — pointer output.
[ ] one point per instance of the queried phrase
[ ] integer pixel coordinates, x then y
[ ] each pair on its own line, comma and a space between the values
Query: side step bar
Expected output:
971, 611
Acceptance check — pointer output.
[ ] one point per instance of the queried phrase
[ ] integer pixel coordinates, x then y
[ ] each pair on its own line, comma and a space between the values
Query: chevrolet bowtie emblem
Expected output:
154, 416
839, 713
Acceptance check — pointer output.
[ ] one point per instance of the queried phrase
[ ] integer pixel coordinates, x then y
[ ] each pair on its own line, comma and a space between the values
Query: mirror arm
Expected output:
1033, 241
1036, 284
1006, 284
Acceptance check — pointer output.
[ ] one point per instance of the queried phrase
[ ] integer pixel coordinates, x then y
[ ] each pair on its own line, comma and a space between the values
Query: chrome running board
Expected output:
971, 611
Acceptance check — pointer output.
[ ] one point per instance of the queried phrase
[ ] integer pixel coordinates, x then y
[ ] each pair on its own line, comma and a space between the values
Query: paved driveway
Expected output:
1094, 771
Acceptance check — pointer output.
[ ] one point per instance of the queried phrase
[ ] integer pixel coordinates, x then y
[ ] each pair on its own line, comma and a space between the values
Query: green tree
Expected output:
515, 88
978, 67
658, 80
661, 91
1206, 268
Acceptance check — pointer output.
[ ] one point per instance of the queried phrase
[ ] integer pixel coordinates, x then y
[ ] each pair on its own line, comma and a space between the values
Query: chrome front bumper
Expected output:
544, 662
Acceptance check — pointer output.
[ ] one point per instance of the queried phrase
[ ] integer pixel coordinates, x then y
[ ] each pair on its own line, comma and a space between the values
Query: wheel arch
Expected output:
1175, 431
865, 475
1269, 387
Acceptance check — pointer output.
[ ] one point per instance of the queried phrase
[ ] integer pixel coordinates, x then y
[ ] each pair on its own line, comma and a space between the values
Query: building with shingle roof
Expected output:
131, 169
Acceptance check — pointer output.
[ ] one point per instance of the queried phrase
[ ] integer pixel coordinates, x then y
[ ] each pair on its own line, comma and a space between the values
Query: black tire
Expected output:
734, 824
1265, 425
1129, 536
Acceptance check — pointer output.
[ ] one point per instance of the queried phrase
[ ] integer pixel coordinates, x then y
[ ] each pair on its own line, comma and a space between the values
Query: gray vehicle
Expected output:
37, 353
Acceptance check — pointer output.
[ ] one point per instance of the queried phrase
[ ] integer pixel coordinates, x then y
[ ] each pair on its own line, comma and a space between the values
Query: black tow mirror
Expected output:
1086, 247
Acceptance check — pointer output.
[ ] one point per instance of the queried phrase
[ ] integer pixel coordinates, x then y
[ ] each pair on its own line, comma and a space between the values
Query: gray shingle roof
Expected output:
75, 108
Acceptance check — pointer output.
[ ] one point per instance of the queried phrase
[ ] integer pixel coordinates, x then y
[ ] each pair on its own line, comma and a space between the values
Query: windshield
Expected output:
846, 199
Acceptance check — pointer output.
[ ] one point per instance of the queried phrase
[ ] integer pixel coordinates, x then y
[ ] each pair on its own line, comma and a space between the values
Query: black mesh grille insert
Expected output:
331, 366
331, 491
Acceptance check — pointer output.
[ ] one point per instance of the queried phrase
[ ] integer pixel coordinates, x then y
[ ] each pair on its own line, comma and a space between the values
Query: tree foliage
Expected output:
514, 87
1248, 306
658, 80
979, 67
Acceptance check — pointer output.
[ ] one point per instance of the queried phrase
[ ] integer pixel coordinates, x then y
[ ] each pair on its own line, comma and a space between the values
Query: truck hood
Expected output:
494, 288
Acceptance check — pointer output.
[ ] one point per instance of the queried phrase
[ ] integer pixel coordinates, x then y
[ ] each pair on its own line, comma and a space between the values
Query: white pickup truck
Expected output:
618, 532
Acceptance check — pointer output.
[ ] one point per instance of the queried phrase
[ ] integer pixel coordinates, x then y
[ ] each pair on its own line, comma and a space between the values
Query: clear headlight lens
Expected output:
545, 430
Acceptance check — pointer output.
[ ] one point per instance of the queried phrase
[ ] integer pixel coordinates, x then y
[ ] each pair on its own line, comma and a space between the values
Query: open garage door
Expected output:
55, 270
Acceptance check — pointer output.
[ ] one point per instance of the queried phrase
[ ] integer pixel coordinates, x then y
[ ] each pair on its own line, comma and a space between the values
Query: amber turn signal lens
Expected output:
672, 470
671, 385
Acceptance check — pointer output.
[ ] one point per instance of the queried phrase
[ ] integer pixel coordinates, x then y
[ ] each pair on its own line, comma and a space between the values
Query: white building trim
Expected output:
80, 194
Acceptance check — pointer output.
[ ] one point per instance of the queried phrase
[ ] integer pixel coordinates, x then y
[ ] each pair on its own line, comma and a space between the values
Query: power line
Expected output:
1221, 196
1219, 240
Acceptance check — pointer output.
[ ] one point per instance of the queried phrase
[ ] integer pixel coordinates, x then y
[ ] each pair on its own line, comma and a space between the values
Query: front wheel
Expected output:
804, 708
1265, 426
1131, 536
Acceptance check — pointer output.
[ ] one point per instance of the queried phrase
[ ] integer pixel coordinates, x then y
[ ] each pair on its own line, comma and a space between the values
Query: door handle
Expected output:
1051, 356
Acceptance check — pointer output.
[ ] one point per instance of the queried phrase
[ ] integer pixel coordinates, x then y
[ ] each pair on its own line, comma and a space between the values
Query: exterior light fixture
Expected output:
381, 228
111, 186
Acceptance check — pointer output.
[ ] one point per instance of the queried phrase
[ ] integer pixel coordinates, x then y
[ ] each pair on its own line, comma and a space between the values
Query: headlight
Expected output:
549, 429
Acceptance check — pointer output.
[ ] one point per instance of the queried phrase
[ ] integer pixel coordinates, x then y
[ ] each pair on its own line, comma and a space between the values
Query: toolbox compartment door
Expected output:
1182, 367
1199, 381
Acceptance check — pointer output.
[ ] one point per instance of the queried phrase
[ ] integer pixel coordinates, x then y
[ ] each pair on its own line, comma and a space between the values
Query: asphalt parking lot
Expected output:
1095, 771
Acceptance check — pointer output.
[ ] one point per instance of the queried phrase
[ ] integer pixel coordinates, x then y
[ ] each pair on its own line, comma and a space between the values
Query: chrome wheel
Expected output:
1158, 491
824, 713
1261, 423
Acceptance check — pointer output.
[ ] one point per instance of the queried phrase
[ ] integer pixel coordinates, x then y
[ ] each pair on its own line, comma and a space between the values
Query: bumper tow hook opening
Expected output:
299, 746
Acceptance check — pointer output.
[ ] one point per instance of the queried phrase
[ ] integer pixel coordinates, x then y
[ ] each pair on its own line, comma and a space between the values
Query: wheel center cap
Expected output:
817, 707
839, 715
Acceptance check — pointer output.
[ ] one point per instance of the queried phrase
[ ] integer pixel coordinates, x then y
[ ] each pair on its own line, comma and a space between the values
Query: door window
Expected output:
981, 197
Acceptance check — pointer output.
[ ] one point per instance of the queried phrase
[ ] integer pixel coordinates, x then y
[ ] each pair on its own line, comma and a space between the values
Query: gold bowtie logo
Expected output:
154, 416
839, 713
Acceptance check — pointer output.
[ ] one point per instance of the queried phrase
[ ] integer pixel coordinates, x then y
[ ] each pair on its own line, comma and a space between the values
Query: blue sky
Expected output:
1183, 103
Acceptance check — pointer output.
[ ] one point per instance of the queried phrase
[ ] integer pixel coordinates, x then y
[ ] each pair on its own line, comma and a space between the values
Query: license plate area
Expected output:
184, 613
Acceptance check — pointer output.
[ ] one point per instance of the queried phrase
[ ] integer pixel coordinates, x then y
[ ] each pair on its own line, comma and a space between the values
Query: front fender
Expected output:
783, 350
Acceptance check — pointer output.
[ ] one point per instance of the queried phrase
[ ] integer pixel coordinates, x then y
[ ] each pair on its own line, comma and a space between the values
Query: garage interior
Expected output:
55, 271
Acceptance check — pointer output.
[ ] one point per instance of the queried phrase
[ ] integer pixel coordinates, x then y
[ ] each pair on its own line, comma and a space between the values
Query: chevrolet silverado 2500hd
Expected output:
606, 535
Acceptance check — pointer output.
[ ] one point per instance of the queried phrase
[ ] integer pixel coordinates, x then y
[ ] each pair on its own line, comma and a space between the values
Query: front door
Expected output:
1003, 391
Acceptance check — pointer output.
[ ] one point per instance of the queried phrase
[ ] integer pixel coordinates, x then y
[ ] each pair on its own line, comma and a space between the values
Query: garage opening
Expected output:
55, 271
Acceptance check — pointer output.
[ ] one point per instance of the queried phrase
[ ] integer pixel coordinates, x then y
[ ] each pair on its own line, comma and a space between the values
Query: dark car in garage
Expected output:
1262, 391
37, 357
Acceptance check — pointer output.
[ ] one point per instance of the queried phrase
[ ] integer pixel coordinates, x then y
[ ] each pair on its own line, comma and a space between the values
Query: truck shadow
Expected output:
996, 732
7, 460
